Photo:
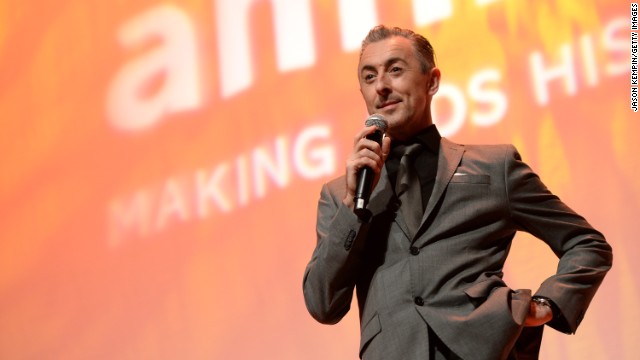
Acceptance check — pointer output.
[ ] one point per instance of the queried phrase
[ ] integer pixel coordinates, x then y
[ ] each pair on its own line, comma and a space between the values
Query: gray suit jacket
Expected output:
449, 275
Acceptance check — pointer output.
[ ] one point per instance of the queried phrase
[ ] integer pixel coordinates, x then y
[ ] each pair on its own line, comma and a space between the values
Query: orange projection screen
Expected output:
162, 162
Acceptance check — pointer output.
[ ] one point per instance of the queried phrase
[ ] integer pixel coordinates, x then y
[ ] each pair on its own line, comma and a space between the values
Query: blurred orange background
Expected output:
163, 160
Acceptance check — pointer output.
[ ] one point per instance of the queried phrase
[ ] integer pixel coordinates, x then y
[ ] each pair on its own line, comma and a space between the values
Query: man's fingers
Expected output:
363, 134
386, 147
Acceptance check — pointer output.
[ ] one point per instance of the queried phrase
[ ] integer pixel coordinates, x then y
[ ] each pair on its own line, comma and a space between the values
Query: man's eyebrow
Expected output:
387, 63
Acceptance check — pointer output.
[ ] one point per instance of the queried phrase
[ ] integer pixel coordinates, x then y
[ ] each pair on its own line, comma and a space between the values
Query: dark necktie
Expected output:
408, 188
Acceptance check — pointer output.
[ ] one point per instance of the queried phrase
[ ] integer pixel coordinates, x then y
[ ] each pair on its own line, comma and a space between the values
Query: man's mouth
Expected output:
388, 103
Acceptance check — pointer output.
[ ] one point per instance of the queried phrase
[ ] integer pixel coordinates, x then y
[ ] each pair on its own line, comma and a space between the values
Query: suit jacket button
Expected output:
419, 301
414, 250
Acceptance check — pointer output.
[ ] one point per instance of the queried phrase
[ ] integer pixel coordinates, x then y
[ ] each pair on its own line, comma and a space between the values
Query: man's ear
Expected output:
434, 81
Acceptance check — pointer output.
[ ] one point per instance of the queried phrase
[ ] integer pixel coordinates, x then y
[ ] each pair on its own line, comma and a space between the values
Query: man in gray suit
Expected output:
429, 278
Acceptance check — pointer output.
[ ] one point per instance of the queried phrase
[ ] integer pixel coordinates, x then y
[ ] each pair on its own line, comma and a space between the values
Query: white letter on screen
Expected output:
357, 17
234, 48
426, 12
458, 109
130, 214
293, 34
276, 168
172, 203
542, 76
295, 43
318, 161
479, 91
485, 2
209, 188
175, 58
589, 59
615, 40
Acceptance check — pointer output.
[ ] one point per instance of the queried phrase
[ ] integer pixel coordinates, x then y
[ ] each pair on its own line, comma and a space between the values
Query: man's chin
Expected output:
390, 114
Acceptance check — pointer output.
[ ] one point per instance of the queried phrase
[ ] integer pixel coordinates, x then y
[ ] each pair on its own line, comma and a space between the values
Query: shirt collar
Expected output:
429, 137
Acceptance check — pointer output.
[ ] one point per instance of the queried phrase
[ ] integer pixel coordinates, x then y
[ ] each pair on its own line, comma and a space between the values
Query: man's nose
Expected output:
382, 84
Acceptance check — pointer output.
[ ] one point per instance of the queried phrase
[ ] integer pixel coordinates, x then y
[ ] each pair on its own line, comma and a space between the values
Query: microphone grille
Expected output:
377, 120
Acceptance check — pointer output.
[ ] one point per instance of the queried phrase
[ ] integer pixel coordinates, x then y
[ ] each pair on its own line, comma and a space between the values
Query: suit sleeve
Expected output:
331, 274
584, 255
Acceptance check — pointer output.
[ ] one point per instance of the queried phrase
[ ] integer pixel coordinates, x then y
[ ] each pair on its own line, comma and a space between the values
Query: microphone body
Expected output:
366, 175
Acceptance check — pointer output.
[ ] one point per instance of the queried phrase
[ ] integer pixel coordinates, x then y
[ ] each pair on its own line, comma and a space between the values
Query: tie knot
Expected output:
401, 149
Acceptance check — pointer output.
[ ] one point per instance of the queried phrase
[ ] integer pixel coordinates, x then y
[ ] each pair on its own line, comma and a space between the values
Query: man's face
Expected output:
393, 85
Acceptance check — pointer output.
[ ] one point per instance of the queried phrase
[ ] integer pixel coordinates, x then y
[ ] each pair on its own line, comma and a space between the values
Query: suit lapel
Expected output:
448, 161
383, 195
383, 198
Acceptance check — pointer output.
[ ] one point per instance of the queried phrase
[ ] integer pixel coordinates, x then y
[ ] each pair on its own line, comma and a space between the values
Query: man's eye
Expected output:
396, 69
368, 76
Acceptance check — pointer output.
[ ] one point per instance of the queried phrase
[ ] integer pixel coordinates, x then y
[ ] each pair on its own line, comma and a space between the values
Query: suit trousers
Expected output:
526, 348
438, 350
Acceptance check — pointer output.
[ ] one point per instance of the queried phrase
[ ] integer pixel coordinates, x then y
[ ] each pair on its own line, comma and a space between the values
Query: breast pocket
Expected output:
471, 179
369, 332
469, 196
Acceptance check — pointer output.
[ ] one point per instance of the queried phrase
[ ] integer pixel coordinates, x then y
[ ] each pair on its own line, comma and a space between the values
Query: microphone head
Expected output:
377, 120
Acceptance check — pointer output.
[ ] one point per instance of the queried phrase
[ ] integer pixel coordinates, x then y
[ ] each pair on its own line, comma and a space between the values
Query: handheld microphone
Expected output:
366, 175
